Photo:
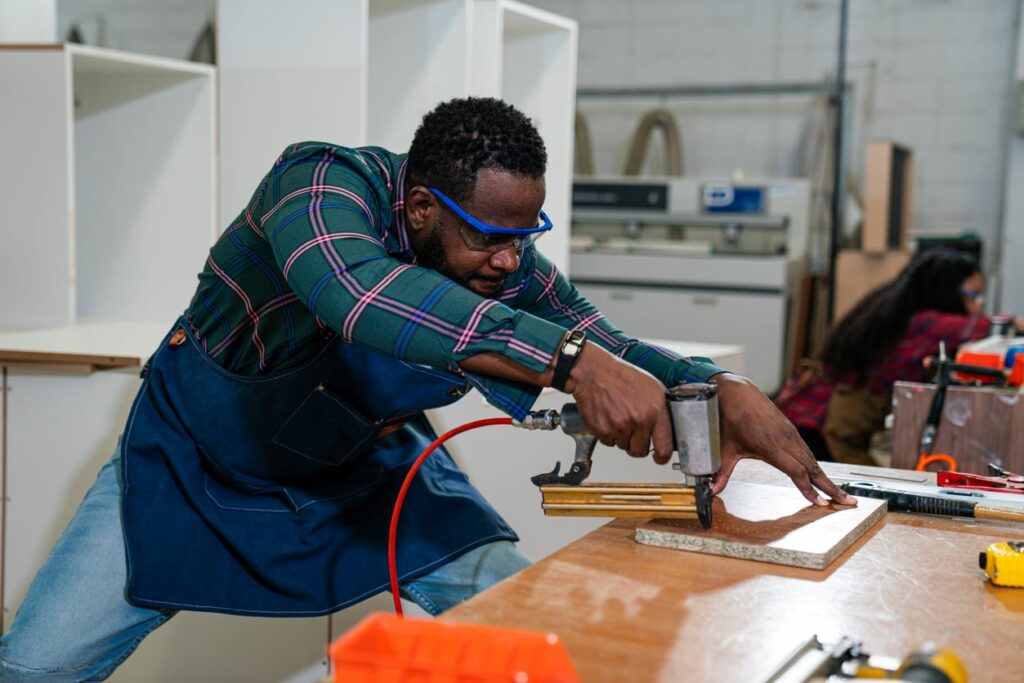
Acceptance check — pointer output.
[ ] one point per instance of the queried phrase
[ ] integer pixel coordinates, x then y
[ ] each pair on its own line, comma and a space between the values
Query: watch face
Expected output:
574, 343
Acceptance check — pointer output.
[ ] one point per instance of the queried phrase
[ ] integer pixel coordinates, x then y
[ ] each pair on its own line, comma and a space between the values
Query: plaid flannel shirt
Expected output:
804, 398
321, 249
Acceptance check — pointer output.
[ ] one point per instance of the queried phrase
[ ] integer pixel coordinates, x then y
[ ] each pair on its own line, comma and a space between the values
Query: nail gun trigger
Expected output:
546, 478
574, 477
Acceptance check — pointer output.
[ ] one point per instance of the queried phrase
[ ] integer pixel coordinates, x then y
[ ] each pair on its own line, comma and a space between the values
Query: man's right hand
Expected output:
624, 405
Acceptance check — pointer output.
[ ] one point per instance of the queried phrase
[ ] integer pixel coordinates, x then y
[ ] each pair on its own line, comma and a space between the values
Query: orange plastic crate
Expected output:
385, 648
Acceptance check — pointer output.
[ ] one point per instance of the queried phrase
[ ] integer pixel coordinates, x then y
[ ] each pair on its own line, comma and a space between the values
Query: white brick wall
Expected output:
941, 81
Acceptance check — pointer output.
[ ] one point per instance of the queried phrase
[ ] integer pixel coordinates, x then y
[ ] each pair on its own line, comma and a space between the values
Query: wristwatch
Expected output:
572, 345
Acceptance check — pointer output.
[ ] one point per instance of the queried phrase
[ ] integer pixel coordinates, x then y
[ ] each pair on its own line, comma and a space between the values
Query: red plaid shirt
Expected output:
805, 396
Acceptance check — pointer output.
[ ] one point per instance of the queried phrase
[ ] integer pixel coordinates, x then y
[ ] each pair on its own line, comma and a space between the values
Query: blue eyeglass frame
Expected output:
487, 228
973, 294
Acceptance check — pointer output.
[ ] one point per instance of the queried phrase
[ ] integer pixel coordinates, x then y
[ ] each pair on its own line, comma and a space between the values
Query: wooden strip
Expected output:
619, 512
653, 506
619, 500
30, 358
32, 46
62, 368
682, 496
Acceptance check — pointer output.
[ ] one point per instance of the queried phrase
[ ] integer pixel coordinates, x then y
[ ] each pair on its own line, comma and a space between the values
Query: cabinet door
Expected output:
755, 321
61, 429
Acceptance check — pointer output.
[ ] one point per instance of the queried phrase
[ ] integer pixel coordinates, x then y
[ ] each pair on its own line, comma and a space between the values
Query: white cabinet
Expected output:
753, 321
722, 300
108, 184
59, 433
119, 170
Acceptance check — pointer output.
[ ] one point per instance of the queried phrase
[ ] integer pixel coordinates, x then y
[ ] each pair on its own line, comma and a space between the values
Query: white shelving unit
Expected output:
527, 57
414, 54
289, 71
113, 189
419, 57
119, 171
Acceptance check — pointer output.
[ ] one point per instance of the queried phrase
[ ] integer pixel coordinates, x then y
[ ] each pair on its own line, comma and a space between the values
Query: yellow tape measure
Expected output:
1004, 563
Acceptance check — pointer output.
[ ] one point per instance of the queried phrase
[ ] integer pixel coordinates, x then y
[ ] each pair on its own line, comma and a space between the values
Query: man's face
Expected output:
499, 198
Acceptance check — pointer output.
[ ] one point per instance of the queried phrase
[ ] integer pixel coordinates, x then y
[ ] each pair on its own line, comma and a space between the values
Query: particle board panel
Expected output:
770, 524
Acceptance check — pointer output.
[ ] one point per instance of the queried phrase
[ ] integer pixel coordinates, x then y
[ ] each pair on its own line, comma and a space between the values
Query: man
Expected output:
264, 450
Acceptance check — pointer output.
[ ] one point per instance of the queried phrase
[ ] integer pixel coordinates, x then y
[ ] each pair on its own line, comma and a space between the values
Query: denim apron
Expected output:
272, 495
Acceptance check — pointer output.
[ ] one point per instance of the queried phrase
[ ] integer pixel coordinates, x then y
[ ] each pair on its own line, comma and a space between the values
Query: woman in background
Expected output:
886, 337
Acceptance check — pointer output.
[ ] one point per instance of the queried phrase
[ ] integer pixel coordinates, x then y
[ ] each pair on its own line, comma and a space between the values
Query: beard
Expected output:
431, 254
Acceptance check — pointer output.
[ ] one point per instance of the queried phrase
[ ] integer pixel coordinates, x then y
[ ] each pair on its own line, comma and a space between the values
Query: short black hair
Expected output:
461, 136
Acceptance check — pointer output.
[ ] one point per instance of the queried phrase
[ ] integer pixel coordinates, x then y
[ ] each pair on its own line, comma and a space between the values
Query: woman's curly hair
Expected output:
862, 338
461, 136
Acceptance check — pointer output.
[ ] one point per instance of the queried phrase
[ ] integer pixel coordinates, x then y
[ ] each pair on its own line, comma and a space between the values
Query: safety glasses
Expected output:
481, 236
973, 294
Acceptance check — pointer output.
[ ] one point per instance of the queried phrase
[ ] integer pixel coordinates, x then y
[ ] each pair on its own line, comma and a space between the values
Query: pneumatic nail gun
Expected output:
694, 412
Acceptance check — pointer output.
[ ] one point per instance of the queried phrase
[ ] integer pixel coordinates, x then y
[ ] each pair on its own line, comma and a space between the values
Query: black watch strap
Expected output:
568, 351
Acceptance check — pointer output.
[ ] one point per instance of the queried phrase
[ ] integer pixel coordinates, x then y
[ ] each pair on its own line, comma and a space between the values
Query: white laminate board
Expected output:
28, 21
145, 188
418, 57
108, 338
36, 156
100, 60
287, 72
527, 57
538, 75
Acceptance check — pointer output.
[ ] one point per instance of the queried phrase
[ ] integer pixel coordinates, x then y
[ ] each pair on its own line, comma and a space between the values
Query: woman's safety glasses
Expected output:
481, 236
973, 295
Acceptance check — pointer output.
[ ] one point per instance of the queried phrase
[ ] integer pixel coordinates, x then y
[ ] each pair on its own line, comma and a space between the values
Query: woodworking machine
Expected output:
694, 412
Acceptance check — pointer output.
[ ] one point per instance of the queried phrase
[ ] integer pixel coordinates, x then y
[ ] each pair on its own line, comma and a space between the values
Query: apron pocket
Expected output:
229, 498
326, 429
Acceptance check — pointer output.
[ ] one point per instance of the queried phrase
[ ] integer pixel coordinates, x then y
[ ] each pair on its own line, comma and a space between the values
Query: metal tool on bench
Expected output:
846, 660
998, 481
943, 369
694, 412
972, 504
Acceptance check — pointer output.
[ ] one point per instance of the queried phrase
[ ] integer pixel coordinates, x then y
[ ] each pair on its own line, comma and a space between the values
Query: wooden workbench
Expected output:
628, 612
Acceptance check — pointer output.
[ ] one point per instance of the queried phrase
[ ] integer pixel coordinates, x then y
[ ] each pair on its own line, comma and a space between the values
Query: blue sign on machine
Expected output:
722, 198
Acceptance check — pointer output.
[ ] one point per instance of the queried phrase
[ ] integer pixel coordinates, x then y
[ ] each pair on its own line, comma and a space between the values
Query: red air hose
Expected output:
393, 532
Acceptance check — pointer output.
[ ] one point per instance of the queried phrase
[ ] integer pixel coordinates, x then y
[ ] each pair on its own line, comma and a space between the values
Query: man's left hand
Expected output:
752, 427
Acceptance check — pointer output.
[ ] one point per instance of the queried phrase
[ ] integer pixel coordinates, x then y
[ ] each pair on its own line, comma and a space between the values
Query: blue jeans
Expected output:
75, 624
